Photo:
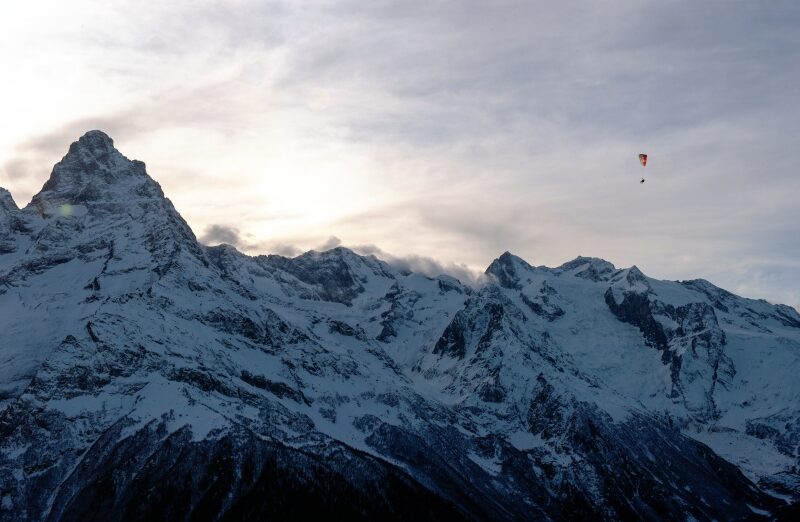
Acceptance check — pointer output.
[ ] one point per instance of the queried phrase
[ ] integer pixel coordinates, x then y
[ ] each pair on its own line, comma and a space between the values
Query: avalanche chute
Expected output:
643, 161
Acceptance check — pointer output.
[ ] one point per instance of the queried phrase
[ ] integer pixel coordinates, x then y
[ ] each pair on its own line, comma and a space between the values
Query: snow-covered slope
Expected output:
143, 375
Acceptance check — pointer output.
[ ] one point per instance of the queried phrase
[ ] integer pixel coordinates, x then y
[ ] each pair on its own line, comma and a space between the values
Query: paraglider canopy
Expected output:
643, 161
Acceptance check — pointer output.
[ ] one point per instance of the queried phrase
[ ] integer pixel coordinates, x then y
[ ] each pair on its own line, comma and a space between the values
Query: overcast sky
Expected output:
438, 134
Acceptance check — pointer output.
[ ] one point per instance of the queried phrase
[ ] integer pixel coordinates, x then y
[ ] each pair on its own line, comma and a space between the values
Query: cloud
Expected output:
424, 265
283, 249
216, 234
330, 243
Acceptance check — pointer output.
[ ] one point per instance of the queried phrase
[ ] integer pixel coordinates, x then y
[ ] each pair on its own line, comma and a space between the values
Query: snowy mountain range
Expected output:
144, 376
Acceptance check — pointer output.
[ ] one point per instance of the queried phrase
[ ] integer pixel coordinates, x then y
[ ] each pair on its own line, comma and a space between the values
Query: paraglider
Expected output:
643, 161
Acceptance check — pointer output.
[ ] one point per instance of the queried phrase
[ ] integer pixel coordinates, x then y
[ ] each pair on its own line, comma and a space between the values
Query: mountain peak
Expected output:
93, 170
634, 272
506, 269
582, 261
636, 280
94, 140
6, 201
94, 150
591, 268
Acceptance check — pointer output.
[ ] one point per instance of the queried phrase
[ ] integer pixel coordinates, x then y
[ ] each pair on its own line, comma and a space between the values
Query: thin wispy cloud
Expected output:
450, 131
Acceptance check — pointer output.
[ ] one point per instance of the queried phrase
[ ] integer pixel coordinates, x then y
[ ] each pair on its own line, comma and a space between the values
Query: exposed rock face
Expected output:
6, 202
145, 376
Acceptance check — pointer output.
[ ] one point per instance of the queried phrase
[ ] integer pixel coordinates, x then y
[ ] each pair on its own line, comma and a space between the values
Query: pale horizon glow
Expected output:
437, 134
